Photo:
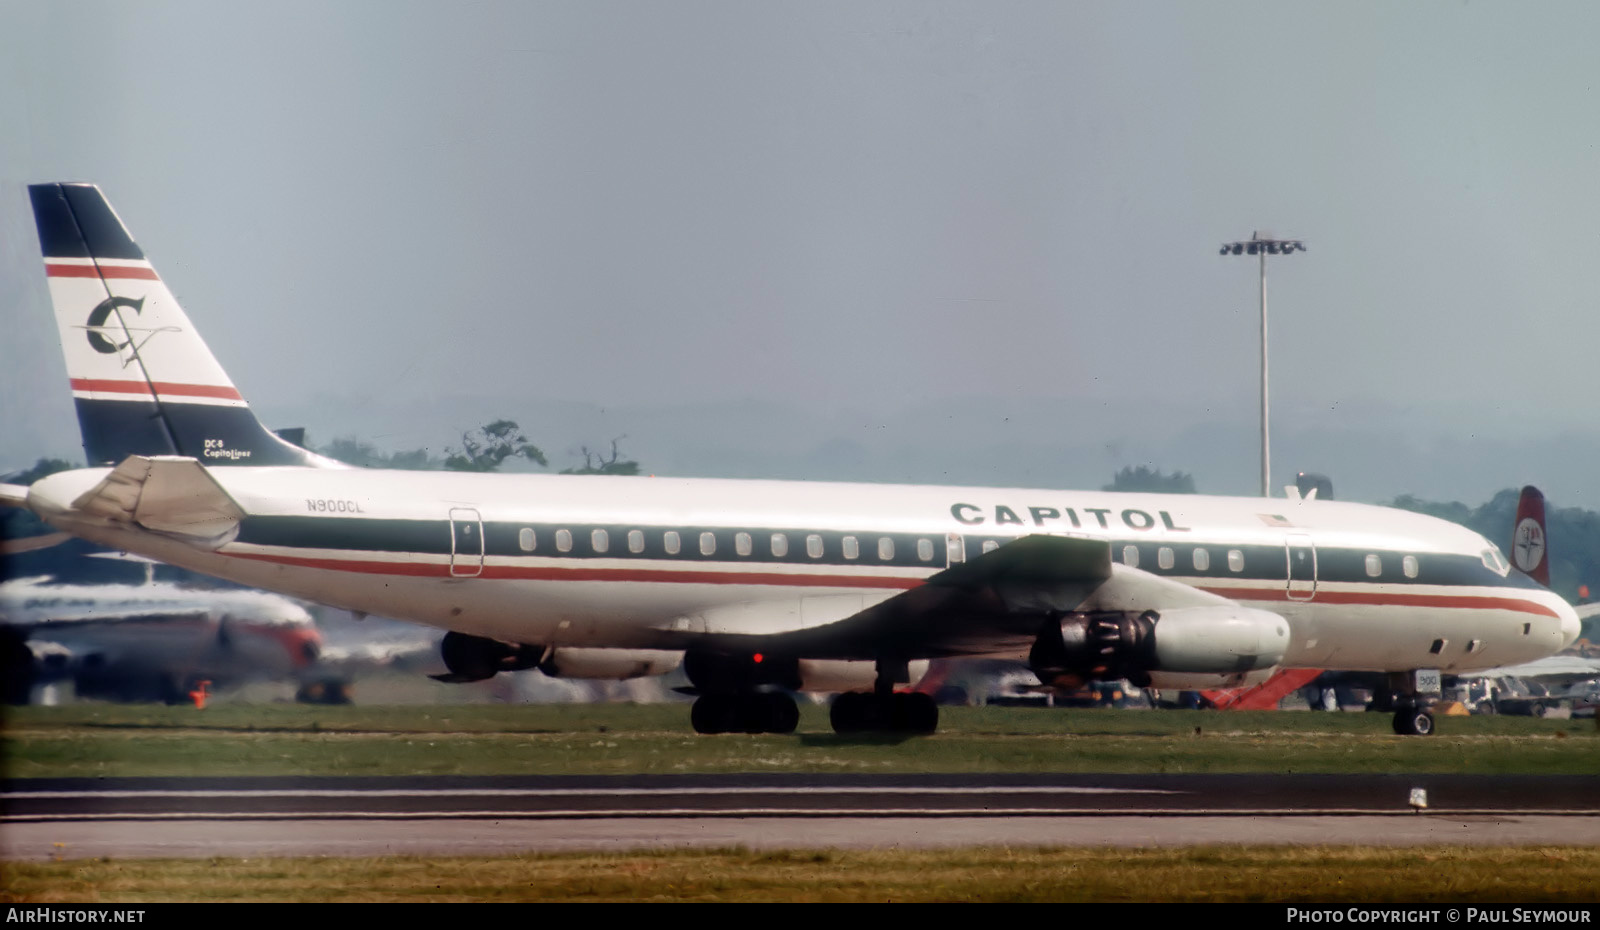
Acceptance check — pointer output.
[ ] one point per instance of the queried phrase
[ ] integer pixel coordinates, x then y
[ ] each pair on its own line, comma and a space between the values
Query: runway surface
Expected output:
141, 817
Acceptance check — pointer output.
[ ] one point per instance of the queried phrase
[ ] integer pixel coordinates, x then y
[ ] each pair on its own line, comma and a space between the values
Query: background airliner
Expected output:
148, 642
759, 588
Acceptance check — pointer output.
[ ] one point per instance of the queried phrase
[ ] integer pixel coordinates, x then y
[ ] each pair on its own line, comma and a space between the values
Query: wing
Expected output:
995, 604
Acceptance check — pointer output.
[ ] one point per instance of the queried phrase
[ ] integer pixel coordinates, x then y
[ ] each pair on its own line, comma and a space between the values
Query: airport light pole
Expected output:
1263, 246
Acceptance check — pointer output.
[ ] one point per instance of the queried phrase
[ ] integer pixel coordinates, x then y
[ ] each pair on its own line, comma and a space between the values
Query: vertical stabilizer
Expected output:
143, 380
1530, 552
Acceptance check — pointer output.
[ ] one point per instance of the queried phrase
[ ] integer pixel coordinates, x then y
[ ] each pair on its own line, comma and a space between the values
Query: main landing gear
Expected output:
883, 710
750, 693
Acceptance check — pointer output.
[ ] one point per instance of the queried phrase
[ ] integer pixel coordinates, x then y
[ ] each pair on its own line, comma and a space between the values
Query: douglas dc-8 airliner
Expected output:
758, 588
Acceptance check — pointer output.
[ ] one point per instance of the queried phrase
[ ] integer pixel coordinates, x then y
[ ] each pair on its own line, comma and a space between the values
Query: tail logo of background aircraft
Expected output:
1529, 546
98, 329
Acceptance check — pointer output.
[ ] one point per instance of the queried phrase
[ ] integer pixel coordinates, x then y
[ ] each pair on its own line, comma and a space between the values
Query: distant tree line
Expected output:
483, 449
1143, 478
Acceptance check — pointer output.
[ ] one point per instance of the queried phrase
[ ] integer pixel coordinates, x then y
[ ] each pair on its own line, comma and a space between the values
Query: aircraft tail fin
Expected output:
143, 380
1530, 551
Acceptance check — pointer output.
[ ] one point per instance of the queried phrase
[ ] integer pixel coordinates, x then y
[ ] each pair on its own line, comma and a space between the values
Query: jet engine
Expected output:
474, 658
1174, 645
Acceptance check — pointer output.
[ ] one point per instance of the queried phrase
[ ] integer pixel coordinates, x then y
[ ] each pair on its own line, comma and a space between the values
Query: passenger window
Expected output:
1202, 560
885, 549
636, 541
600, 540
708, 543
814, 546
1165, 558
1409, 566
1235, 560
925, 550
990, 545
741, 543
1374, 565
780, 545
852, 549
525, 539
1130, 556
670, 542
564, 540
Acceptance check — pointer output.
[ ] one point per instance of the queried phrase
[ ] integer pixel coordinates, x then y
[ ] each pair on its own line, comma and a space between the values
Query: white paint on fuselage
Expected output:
1504, 624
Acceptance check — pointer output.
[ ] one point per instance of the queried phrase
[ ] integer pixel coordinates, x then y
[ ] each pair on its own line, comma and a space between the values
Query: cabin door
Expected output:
466, 542
955, 549
1301, 553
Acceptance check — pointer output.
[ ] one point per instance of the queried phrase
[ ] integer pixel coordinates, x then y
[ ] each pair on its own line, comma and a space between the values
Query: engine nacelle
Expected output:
609, 664
1208, 641
474, 658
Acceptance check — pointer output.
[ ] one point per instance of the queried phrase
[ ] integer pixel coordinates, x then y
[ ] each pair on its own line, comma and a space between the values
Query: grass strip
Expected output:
1201, 874
102, 740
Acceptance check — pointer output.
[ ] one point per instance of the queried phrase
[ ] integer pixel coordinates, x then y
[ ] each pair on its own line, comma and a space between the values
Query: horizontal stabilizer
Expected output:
166, 494
13, 495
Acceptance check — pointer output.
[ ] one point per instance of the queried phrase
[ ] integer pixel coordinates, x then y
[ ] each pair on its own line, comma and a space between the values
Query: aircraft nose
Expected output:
1570, 626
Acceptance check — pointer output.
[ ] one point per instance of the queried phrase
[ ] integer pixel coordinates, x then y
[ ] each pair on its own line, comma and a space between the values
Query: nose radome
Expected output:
1570, 626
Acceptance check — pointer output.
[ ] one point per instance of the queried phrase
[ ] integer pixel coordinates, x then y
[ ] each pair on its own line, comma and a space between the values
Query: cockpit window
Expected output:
1495, 561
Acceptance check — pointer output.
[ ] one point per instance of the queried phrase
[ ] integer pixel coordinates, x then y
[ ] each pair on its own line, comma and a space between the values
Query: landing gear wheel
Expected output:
711, 714
915, 713
782, 714
846, 713
1413, 722
860, 712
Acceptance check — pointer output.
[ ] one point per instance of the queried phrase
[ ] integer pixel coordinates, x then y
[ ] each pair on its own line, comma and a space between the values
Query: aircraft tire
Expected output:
859, 712
846, 712
783, 715
1414, 722
709, 714
916, 713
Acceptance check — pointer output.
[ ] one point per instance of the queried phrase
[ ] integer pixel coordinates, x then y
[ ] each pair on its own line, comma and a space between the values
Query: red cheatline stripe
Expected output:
545, 573
1383, 599
442, 570
102, 271
164, 388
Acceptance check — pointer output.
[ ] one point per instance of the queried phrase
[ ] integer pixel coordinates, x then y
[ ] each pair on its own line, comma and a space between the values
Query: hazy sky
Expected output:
875, 211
